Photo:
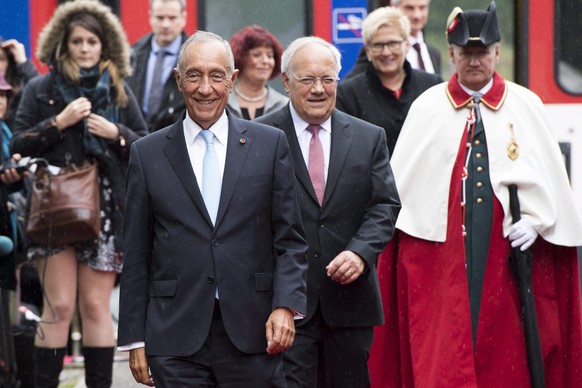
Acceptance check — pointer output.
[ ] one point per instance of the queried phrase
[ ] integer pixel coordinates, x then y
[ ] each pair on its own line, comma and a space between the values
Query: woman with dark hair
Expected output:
81, 111
257, 56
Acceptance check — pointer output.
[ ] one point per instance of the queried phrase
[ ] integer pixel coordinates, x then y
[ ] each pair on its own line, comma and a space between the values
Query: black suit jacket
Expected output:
435, 57
175, 259
172, 105
359, 210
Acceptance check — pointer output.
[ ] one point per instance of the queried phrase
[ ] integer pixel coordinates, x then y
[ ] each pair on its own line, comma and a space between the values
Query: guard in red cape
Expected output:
451, 302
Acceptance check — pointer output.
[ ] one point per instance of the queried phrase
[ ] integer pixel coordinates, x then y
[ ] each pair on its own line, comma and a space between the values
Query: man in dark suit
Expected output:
348, 206
421, 55
152, 81
212, 281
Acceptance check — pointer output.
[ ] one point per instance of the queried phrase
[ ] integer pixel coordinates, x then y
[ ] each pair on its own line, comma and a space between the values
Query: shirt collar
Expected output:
219, 128
171, 49
301, 125
419, 38
494, 92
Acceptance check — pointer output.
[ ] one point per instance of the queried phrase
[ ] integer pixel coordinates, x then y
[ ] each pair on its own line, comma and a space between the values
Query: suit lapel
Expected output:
238, 148
177, 154
142, 57
341, 142
302, 174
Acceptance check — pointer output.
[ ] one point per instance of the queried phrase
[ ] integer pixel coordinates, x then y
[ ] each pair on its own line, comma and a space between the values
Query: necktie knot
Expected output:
208, 136
477, 97
313, 129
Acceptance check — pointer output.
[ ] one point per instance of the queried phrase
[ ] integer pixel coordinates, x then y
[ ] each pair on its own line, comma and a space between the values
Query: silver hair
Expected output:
289, 53
182, 3
205, 36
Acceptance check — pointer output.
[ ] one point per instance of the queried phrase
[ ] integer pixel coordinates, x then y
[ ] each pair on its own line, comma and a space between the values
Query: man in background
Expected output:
154, 58
422, 55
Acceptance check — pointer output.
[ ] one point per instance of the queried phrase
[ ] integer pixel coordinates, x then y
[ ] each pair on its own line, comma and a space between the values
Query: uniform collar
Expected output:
493, 99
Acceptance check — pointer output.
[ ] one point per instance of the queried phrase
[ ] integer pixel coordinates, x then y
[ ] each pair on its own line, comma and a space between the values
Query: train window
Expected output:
569, 45
286, 19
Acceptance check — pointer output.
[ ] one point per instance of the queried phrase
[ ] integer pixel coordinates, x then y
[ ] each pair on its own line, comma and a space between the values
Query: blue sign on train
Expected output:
347, 24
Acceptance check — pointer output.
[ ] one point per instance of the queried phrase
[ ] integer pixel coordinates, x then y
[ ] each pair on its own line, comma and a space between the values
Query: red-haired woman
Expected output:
257, 56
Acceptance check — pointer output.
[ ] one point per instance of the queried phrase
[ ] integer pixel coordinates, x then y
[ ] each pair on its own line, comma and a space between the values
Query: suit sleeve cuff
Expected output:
131, 346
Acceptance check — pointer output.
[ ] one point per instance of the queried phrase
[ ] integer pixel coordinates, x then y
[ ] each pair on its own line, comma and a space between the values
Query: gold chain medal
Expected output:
512, 146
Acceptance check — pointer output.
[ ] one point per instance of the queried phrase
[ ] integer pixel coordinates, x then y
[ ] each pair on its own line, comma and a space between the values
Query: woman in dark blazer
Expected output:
382, 95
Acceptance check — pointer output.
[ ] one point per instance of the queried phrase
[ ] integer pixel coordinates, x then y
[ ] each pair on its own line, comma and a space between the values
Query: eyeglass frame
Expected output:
326, 81
391, 45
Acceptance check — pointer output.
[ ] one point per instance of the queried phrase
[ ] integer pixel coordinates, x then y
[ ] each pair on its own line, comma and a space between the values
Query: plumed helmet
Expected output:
473, 27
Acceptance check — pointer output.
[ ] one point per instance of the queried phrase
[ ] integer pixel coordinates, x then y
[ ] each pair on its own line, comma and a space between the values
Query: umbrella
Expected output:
521, 264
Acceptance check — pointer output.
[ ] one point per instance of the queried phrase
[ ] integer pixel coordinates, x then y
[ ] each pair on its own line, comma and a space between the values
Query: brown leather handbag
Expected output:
64, 208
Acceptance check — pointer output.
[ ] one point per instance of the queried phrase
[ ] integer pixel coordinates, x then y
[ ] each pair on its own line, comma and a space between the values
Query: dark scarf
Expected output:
97, 90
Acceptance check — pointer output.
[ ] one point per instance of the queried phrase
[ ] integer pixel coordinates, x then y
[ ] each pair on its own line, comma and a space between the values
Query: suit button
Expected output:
316, 255
479, 155
479, 169
210, 279
479, 185
477, 142
321, 226
215, 243
479, 201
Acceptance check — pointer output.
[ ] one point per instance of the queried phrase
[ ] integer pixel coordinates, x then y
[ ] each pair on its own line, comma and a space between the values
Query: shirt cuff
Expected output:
131, 346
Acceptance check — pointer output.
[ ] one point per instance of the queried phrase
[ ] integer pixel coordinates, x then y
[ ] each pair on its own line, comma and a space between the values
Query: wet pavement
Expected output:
73, 375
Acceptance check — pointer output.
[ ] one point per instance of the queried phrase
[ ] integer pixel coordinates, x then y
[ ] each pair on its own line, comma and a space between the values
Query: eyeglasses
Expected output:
392, 45
311, 81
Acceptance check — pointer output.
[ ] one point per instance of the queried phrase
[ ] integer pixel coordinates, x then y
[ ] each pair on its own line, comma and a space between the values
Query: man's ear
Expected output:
285, 81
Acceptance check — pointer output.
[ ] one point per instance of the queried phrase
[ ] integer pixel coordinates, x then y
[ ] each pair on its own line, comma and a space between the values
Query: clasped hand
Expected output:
97, 125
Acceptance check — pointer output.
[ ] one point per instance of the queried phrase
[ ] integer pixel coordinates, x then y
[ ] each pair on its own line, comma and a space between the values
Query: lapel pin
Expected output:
243, 140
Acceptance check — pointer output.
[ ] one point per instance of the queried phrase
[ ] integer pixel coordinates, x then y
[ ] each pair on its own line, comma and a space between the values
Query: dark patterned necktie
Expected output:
156, 87
416, 47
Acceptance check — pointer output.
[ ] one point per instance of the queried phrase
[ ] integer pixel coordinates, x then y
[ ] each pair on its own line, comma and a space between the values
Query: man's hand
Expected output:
345, 268
138, 363
280, 330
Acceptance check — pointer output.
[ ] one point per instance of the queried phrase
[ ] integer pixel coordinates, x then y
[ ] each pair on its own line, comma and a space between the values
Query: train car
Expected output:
544, 55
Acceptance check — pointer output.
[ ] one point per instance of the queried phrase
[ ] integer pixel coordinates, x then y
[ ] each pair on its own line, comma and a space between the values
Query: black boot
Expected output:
98, 366
48, 364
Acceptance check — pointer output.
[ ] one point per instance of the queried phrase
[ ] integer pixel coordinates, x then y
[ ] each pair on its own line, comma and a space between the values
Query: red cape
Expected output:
426, 339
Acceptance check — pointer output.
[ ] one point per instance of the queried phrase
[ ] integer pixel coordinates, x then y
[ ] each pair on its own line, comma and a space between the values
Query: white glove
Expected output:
522, 234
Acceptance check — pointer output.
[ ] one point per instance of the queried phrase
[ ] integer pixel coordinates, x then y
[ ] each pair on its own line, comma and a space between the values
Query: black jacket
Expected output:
364, 97
34, 135
172, 104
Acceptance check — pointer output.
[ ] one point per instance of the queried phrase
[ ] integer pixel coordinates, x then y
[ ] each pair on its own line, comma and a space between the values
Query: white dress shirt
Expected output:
412, 55
197, 146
